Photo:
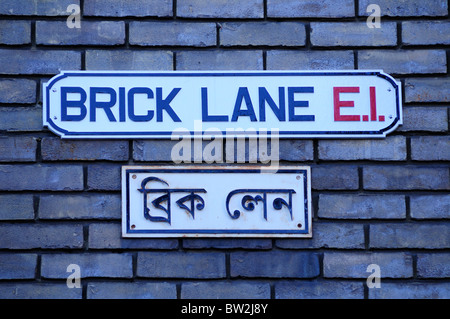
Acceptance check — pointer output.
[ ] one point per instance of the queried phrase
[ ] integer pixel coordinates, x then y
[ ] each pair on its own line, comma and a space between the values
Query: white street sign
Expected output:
295, 104
216, 201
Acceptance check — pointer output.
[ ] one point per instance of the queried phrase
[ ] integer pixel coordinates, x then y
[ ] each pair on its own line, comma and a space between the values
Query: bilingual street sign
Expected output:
216, 201
293, 104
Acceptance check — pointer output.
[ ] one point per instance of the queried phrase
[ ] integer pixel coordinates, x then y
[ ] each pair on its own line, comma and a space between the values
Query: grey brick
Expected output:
54, 149
425, 32
343, 206
404, 61
41, 177
17, 91
104, 177
334, 177
427, 90
131, 290
128, 60
109, 236
38, 291
296, 150
21, 119
354, 265
319, 290
91, 33
15, 207
17, 266
435, 265
430, 206
352, 34
220, 60
328, 235
309, 60
93, 206
126, 8
220, 9
172, 33
393, 148
41, 8
411, 8
426, 118
91, 265
225, 290
227, 243
38, 61
18, 149
274, 264
310, 9
181, 265
415, 235
50, 236
430, 148
415, 290
153, 150
15, 32
405, 177
262, 33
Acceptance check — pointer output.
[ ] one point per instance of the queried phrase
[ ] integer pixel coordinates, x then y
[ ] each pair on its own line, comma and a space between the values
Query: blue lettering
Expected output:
164, 104
106, 106
243, 95
79, 104
131, 115
293, 103
264, 97
205, 116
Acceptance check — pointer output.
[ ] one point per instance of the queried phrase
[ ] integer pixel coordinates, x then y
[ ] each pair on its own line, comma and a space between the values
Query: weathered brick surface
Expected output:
16, 206
354, 265
220, 9
329, 34
13, 61
407, 177
304, 9
15, 32
131, 290
181, 265
404, 62
274, 264
425, 32
309, 60
92, 32
417, 235
362, 206
18, 149
223, 290
128, 60
91, 265
390, 149
55, 149
319, 290
410, 8
127, 8
421, 208
262, 33
17, 91
374, 201
220, 60
175, 34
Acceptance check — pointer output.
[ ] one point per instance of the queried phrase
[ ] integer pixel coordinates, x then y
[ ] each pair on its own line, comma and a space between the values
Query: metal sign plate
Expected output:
216, 201
293, 104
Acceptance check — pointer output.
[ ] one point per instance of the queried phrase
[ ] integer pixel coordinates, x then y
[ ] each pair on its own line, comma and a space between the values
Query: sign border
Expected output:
127, 232
47, 121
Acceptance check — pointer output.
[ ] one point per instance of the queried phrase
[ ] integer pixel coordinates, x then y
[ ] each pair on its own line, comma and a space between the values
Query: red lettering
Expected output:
338, 103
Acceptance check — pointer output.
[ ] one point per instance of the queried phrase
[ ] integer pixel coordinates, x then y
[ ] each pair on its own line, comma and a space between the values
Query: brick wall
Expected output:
383, 202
